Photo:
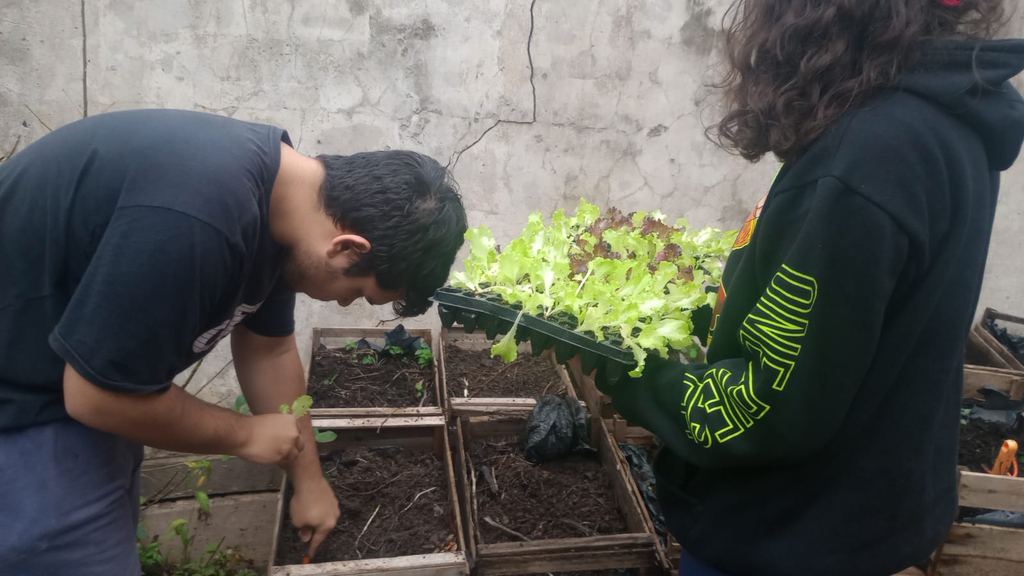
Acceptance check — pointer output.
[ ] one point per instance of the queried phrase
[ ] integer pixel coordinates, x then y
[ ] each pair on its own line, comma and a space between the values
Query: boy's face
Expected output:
321, 276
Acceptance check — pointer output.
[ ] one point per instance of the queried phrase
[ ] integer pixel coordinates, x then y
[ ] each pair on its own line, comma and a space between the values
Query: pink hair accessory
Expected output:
950, 2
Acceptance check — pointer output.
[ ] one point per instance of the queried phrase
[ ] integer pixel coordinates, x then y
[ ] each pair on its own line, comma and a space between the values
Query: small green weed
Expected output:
214, 561
424, 356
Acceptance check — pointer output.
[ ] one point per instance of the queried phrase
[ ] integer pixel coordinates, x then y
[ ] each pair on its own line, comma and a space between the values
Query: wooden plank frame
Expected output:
428, 435
985, 347
620, 431
974, 549
992, 492
490, 406
977, 550
163, 477
977, 377
633, 550
597, 402
354, 334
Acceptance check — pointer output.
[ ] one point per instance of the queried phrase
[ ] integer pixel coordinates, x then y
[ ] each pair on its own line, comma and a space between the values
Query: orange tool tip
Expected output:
1004, 464
305, 559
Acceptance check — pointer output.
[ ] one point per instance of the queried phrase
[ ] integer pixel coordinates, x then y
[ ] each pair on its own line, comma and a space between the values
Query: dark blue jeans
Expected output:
69, 502
690, 566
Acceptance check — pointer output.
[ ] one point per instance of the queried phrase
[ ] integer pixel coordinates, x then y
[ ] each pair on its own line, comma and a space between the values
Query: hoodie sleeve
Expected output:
826, 262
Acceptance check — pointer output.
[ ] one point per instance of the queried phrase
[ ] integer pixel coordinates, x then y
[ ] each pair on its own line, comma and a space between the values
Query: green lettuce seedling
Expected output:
634, 278
507, 349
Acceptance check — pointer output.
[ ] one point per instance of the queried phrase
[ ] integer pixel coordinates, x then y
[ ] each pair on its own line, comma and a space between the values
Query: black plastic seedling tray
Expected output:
491, 314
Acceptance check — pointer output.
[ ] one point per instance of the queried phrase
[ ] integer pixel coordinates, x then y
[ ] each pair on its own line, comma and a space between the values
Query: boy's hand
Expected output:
270, 439
314, 511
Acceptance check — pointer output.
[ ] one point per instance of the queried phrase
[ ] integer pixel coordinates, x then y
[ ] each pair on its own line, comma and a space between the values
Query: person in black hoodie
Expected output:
821, 435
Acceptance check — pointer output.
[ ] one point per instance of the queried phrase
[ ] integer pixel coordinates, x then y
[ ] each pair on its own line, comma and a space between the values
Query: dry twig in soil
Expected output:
417, 498
356, 545
510, 531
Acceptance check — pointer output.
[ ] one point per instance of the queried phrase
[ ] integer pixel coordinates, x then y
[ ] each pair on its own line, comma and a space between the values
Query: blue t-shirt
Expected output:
130, 244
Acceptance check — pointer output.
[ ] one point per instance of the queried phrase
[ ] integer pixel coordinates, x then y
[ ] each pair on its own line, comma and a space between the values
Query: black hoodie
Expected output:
821, 437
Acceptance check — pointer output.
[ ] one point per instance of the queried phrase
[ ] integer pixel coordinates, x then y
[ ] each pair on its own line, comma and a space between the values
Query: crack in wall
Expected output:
529, 57
454, 161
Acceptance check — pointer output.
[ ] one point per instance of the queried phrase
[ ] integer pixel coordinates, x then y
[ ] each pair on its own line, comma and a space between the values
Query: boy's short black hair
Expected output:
408, 207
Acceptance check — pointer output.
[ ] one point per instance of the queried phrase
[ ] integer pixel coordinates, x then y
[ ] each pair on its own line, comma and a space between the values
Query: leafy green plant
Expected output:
204, 501
632, 278
300, 406
419, 389
395, 351
241, 405
324, 436
506, 348
214, 561
351, 346
424, 356
203, 470
370, 358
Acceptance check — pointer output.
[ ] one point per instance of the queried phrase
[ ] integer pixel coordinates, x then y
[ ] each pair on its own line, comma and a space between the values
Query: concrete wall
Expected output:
535, 103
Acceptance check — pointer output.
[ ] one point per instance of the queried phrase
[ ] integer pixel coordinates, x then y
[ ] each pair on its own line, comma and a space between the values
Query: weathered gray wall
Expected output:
535, 103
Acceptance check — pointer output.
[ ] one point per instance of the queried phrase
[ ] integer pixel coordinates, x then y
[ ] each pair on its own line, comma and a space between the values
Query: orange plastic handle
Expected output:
1006, 459
305, 559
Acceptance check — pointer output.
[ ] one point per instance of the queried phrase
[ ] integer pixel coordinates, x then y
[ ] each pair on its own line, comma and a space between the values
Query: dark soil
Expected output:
528, 376
342, 378
406, 489
980, 441
569, 498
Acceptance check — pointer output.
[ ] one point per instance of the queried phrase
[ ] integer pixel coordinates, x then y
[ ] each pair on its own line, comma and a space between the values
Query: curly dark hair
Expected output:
795, 66
408, 207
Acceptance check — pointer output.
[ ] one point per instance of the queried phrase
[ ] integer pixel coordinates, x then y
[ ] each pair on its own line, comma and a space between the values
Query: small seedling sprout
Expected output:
424, 356
241, 406
299, 408
213, 562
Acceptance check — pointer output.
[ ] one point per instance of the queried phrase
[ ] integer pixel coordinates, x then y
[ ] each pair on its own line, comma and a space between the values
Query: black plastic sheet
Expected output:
1012, 342
556, 428
997, 407
401, 338
643, 474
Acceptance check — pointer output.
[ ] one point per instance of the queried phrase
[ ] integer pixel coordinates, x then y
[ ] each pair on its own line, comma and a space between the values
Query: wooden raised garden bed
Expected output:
399, 509
478, 384
575, 514
977, 549
242, 500
362, 383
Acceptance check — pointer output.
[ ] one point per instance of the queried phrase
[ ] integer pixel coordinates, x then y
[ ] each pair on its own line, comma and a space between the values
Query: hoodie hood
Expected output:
971, 81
